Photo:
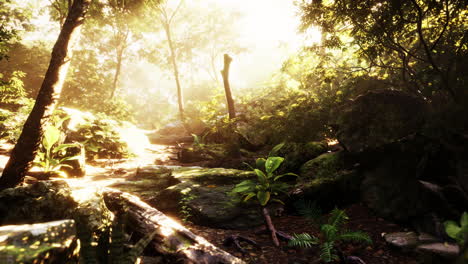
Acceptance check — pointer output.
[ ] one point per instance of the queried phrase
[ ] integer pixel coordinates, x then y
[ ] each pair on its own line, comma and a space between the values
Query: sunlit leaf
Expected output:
272, 163
263, 197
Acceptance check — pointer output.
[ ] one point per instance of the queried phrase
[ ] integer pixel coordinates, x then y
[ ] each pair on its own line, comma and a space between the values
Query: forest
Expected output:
222, 131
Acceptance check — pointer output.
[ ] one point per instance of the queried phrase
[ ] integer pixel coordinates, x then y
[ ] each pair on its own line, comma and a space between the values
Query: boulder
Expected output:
379, 117
392, 186
45, 201
50, 242
429, 248
199, 195
327, 165
42, 201
330, 179
296, 154
341, 188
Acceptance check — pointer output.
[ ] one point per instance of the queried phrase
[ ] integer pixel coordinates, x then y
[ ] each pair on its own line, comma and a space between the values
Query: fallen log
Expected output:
172, 239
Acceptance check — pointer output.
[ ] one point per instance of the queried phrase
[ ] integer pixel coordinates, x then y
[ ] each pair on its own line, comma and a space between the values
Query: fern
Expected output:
329, 231
337, 218
308, 209
355, 236
303, 240
327, 252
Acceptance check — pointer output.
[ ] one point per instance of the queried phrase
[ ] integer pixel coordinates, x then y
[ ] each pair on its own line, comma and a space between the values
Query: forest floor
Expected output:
103, 173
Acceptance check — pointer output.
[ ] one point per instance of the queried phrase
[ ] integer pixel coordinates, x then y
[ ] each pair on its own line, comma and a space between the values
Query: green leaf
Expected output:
262, 178
452, 229
303, 240
286, 174
248, 196
329, 232
464, 220
277, 201
275, 149
263, 197
260, 163
63, 146
356, 236
50, 137
248, 165
272, 163
244, 186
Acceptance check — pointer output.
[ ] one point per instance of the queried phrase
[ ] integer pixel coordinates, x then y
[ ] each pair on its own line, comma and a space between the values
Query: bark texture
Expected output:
172, 239
227, 86
25, 149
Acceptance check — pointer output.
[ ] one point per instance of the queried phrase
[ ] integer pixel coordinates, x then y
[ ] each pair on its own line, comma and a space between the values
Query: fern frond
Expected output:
303, 240
137, 250
337, 218
329, 231
309, 209
356, 236
327, 252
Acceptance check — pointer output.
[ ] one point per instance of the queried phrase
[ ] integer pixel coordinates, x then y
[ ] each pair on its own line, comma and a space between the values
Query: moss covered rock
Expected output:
50, 242
296, 154
327, 165
196, 194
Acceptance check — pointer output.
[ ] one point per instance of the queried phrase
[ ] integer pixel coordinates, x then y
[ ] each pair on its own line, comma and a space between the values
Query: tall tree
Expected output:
227, 86
25, 149
421, 45
165, 16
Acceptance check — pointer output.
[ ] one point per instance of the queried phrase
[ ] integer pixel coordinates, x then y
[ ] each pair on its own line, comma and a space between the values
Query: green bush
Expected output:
100, 138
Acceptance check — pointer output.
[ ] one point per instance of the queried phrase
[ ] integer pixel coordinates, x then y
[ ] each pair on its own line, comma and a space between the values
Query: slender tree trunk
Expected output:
123, 38
227, 87
180, 99
270, 226
25, 149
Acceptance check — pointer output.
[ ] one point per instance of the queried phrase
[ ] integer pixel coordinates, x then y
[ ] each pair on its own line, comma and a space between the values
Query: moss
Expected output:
327, 165
213, 175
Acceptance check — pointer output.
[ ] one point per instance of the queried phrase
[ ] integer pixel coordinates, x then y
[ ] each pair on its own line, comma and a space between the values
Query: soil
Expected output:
360, 219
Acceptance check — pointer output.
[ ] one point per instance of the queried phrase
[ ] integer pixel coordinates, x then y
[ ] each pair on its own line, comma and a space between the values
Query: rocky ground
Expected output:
128, 174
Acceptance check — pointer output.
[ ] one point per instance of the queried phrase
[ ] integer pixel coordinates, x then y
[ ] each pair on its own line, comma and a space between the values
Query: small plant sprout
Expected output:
458, 232
266, 186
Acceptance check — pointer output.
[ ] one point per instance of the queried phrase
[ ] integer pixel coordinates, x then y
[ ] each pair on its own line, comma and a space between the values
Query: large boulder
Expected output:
46, 201
379, 117
199, 195
409, 181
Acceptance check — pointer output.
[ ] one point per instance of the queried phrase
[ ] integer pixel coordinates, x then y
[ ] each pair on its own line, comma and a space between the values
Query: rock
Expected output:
42, 201
296, 154
391, 186
444, 250
431, 249
341, 188
196, 194
379, 117
50, 242
46, 201
327, 165
403, 240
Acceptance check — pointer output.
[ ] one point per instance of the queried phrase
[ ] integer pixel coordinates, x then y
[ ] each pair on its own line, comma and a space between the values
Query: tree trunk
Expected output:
122, 37
227, 87
270, 226
180, 99
25, 149
172, 239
